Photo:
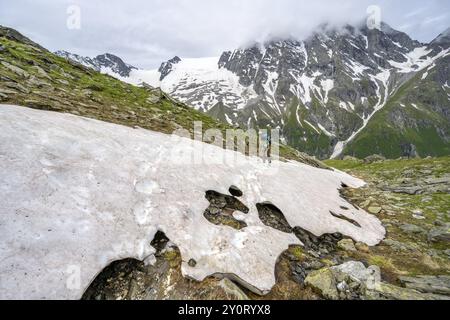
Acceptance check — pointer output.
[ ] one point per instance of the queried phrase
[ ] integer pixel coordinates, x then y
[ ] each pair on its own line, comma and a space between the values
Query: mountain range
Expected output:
342, 91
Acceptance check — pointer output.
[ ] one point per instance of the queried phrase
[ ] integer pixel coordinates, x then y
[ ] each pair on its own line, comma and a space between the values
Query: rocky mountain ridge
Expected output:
324, 91
105, 63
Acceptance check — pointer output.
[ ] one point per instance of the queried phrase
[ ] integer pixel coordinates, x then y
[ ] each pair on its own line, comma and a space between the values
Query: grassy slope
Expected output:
413, 254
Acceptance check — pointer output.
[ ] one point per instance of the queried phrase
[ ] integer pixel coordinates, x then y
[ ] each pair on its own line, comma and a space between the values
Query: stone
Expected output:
153, 99
388, 291
439, 223
418, 214
34, 81
324, 282
235, 191
352, 280
361, 246
37, 104
41, 72
342, 286
374, 210
65, 82
355, 285
440, 234
150, 260
192, 263
374, 158
428, 284
411, 190
365, 204
18, 87
412, 229
358, 272
313, 265
346, 245
232, 290
15, 69
7, 91
214, 211
398, 246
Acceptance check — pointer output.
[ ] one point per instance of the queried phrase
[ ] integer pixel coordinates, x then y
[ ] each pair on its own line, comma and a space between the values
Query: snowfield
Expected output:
78, 194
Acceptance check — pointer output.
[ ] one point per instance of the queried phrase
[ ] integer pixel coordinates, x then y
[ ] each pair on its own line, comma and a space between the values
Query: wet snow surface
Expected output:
78, 194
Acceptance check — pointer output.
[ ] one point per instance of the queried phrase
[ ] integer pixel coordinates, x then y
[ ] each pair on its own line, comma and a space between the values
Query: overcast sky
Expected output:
147, 32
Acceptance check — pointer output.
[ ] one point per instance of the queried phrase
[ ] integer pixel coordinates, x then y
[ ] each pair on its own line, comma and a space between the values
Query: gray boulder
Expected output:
428, 284
440, 234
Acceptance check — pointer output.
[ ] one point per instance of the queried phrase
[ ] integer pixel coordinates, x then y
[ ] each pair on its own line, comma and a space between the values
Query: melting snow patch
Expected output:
417, 60
78, 217
325, 130
327, 86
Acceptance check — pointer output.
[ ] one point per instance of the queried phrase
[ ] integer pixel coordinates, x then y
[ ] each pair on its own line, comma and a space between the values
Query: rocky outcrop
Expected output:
424, 185
166, 67
353, 281
428, 284
106, 63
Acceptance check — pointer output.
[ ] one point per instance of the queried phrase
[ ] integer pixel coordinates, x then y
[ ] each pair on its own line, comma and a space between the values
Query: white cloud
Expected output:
435, 19
147, 32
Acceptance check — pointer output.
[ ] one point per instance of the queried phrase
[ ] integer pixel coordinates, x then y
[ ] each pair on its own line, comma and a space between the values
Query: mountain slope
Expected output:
322, 91
415, 120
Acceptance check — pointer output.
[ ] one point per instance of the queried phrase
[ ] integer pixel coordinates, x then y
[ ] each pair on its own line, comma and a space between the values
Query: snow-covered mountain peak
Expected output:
106, 63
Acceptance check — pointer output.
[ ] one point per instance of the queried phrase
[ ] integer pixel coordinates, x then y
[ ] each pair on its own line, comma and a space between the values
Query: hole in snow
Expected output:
272, 217
130, 279
123, 272
159, 241
320, 245
340, 216
221, 209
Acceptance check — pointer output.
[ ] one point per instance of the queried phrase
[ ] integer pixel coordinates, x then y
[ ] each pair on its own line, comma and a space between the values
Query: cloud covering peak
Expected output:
145, 33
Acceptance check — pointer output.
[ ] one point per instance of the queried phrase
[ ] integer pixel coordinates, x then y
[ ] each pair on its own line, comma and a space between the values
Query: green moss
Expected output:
297, 252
